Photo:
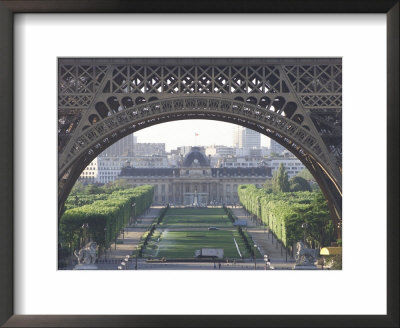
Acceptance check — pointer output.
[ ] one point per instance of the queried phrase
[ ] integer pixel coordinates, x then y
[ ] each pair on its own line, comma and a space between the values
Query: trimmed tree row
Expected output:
291, 216
101, 220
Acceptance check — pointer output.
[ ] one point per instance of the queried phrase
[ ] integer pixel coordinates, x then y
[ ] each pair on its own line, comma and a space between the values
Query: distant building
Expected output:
216, 153
237, 136
220, 151
264, 151
149, 149
251, 139
255, 152
196, 179
90, 173
105, 169
184, 150
243, 161
292, 165
276, 148
123, 147
246, 138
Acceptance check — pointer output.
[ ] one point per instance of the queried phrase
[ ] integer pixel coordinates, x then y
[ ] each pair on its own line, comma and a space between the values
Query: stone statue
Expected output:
87, 255
195, 198
305, 256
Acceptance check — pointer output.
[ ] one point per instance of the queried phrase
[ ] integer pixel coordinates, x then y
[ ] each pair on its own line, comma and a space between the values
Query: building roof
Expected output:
150, 172
241, 171
195, 158
215, 172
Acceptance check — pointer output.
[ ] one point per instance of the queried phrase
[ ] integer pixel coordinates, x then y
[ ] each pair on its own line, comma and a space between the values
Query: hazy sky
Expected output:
182, 133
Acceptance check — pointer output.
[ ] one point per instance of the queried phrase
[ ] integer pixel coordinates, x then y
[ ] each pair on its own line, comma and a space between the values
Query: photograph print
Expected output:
199, 163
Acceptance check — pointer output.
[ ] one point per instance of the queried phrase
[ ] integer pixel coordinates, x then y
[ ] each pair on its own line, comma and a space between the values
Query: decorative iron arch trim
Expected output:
95, 138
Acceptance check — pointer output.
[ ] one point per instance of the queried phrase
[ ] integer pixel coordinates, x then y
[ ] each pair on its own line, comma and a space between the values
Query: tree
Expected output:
319, 220
299, 184
268, 185
93, 189
281, 180
118, 184
305, 174
77, 188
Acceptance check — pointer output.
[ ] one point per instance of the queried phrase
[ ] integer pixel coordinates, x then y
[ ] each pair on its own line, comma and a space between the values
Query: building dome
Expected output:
195, 158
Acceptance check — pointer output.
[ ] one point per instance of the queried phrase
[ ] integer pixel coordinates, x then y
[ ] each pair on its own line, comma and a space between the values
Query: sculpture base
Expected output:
86, 267
304, 266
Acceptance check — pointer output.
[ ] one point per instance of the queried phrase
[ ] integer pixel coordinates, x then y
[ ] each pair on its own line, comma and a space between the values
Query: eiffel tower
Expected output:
295, 101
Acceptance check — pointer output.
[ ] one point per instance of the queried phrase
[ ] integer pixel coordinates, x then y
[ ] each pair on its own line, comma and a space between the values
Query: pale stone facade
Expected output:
178, 185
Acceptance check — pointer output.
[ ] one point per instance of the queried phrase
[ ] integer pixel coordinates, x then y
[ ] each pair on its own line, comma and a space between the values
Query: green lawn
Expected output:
192, 234
182, 244
196, 217
196, 211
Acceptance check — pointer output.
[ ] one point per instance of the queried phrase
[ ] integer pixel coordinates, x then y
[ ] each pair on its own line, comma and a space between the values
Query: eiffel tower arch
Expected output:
295, 101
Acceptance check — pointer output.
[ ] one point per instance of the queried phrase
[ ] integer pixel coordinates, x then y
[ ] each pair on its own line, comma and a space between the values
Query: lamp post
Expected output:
255, 257
85, 226
286, 244
133, 213
281, 238
127, 261
136, 258
105, 244
271, 231
304, 226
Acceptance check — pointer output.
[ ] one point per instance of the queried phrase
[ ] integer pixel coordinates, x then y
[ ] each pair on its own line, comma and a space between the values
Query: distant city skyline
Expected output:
183, 133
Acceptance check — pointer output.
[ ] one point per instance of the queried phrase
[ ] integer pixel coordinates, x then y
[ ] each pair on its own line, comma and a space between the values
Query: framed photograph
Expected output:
286, 73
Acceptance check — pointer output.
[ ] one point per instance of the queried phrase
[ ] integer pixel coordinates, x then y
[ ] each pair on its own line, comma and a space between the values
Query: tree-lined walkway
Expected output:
128, 240
266, 243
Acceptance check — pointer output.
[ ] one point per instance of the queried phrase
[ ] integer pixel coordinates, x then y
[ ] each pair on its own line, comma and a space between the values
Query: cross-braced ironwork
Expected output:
297, 102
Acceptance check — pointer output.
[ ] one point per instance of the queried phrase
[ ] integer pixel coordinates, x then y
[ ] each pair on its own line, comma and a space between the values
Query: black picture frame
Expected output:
10, 7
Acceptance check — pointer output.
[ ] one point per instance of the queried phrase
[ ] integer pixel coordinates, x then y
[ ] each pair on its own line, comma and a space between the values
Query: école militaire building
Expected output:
195, 178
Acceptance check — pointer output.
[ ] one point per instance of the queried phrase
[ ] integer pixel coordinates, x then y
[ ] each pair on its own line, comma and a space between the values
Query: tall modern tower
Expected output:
276, 148
237, 136
252, 139
123, 147
246, 138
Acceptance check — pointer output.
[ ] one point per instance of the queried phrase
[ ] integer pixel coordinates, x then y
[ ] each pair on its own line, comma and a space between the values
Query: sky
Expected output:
182, 133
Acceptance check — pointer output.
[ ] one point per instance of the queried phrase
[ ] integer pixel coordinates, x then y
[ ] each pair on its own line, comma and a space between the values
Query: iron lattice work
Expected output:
297, 102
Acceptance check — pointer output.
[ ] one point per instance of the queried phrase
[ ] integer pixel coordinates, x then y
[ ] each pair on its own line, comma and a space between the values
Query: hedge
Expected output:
104, 217
285, 212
